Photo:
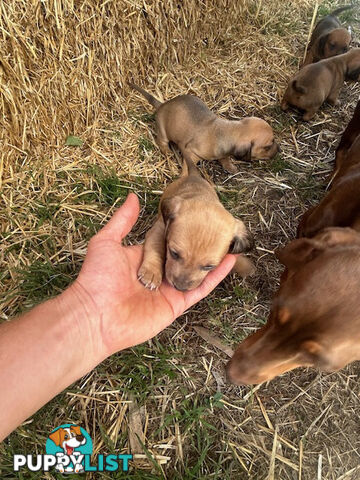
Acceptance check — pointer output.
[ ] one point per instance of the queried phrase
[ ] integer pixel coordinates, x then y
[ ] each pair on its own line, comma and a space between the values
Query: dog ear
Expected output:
353, 73
298, 88
56, 436
242, 241
76, 429
169, 207
316, 219
321, 45
298, 252
242, 152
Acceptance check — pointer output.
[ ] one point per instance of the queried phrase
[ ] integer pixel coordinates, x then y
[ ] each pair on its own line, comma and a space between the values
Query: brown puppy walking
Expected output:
329, 38
320, 82
192, 234
201, 135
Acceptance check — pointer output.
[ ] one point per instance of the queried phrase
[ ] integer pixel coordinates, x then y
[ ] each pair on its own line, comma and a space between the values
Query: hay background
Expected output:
64, 67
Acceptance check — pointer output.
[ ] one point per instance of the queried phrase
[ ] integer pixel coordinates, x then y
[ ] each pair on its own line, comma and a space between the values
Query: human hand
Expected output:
120, 311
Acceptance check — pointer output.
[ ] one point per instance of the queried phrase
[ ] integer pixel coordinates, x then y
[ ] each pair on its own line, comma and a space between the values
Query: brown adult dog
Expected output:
201, 135
341, 206
315, 317
329, 38
192, 234
320, 82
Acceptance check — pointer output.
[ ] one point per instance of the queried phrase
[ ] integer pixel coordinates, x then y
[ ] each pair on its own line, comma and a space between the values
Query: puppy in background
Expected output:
200, 135
192, 234
320, 82
329, 38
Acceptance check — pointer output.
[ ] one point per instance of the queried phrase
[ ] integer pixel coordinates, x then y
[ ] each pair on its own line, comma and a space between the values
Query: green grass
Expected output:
139, 370
278, 164
308, 189
45, 211
145, 147
40, 281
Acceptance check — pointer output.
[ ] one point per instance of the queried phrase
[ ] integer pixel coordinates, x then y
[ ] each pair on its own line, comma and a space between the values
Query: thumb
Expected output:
210, 281
123, 219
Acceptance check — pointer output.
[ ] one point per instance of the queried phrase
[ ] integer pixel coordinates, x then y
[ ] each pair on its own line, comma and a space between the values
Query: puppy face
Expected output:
68, 438
334, 43
315, 317
198, 236
262, 145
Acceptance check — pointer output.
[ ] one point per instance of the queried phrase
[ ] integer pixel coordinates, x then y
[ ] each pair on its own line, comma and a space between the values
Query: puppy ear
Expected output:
242, 152
298, 88
55, 436
353, 72
321, 45
242, 241
298, 252
169, 207
316, 219
76, 429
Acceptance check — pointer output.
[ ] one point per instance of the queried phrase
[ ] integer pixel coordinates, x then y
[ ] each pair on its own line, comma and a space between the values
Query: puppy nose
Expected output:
181, 284
181, 288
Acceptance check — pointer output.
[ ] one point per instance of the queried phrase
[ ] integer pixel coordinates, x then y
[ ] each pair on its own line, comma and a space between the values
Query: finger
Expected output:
123, 219
210, 281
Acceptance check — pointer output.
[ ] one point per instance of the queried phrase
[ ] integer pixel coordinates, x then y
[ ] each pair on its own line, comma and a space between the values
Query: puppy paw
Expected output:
244, 267
151, 278
284, 106
228, 165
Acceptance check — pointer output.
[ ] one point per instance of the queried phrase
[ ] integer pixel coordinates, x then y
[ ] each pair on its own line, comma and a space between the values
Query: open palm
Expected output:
125, 313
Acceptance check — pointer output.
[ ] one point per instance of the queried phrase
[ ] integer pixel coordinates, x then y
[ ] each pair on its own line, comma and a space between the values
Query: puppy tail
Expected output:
298, 88
341, 9
150, 98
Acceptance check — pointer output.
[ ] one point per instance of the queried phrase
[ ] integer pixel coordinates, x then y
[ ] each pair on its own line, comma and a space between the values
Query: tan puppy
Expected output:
201, 135
329, 38
320, 82
192, 234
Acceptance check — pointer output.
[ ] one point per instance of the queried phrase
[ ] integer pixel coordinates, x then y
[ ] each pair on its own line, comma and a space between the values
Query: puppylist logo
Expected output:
69, 449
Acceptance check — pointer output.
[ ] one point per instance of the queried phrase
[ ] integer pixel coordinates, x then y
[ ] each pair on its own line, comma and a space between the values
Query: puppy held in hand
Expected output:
201, 135
328, 39
191, 236
320, 82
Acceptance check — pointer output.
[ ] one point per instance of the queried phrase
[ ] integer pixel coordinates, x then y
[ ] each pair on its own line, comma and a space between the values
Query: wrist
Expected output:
79, 317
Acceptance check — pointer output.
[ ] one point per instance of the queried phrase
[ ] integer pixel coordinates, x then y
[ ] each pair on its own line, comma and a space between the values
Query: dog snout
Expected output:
182, 284
80, 438
232, 373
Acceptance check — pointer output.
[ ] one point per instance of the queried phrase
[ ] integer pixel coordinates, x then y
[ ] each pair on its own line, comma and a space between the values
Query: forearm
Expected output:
41, 353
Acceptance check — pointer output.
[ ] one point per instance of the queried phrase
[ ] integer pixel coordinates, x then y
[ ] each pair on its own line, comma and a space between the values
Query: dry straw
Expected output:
64, 68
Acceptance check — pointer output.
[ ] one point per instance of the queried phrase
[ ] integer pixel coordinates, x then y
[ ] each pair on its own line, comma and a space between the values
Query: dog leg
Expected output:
244, 266
163, 145
228, 165
284, 105
309, 114
150, 273
333, 97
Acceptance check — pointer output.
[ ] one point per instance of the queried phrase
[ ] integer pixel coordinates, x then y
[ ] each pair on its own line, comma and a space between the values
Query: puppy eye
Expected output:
66, 437
174, 254
207, 268
267, 148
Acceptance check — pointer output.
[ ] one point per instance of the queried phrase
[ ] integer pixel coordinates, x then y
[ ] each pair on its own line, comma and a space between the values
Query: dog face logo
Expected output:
69, 443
